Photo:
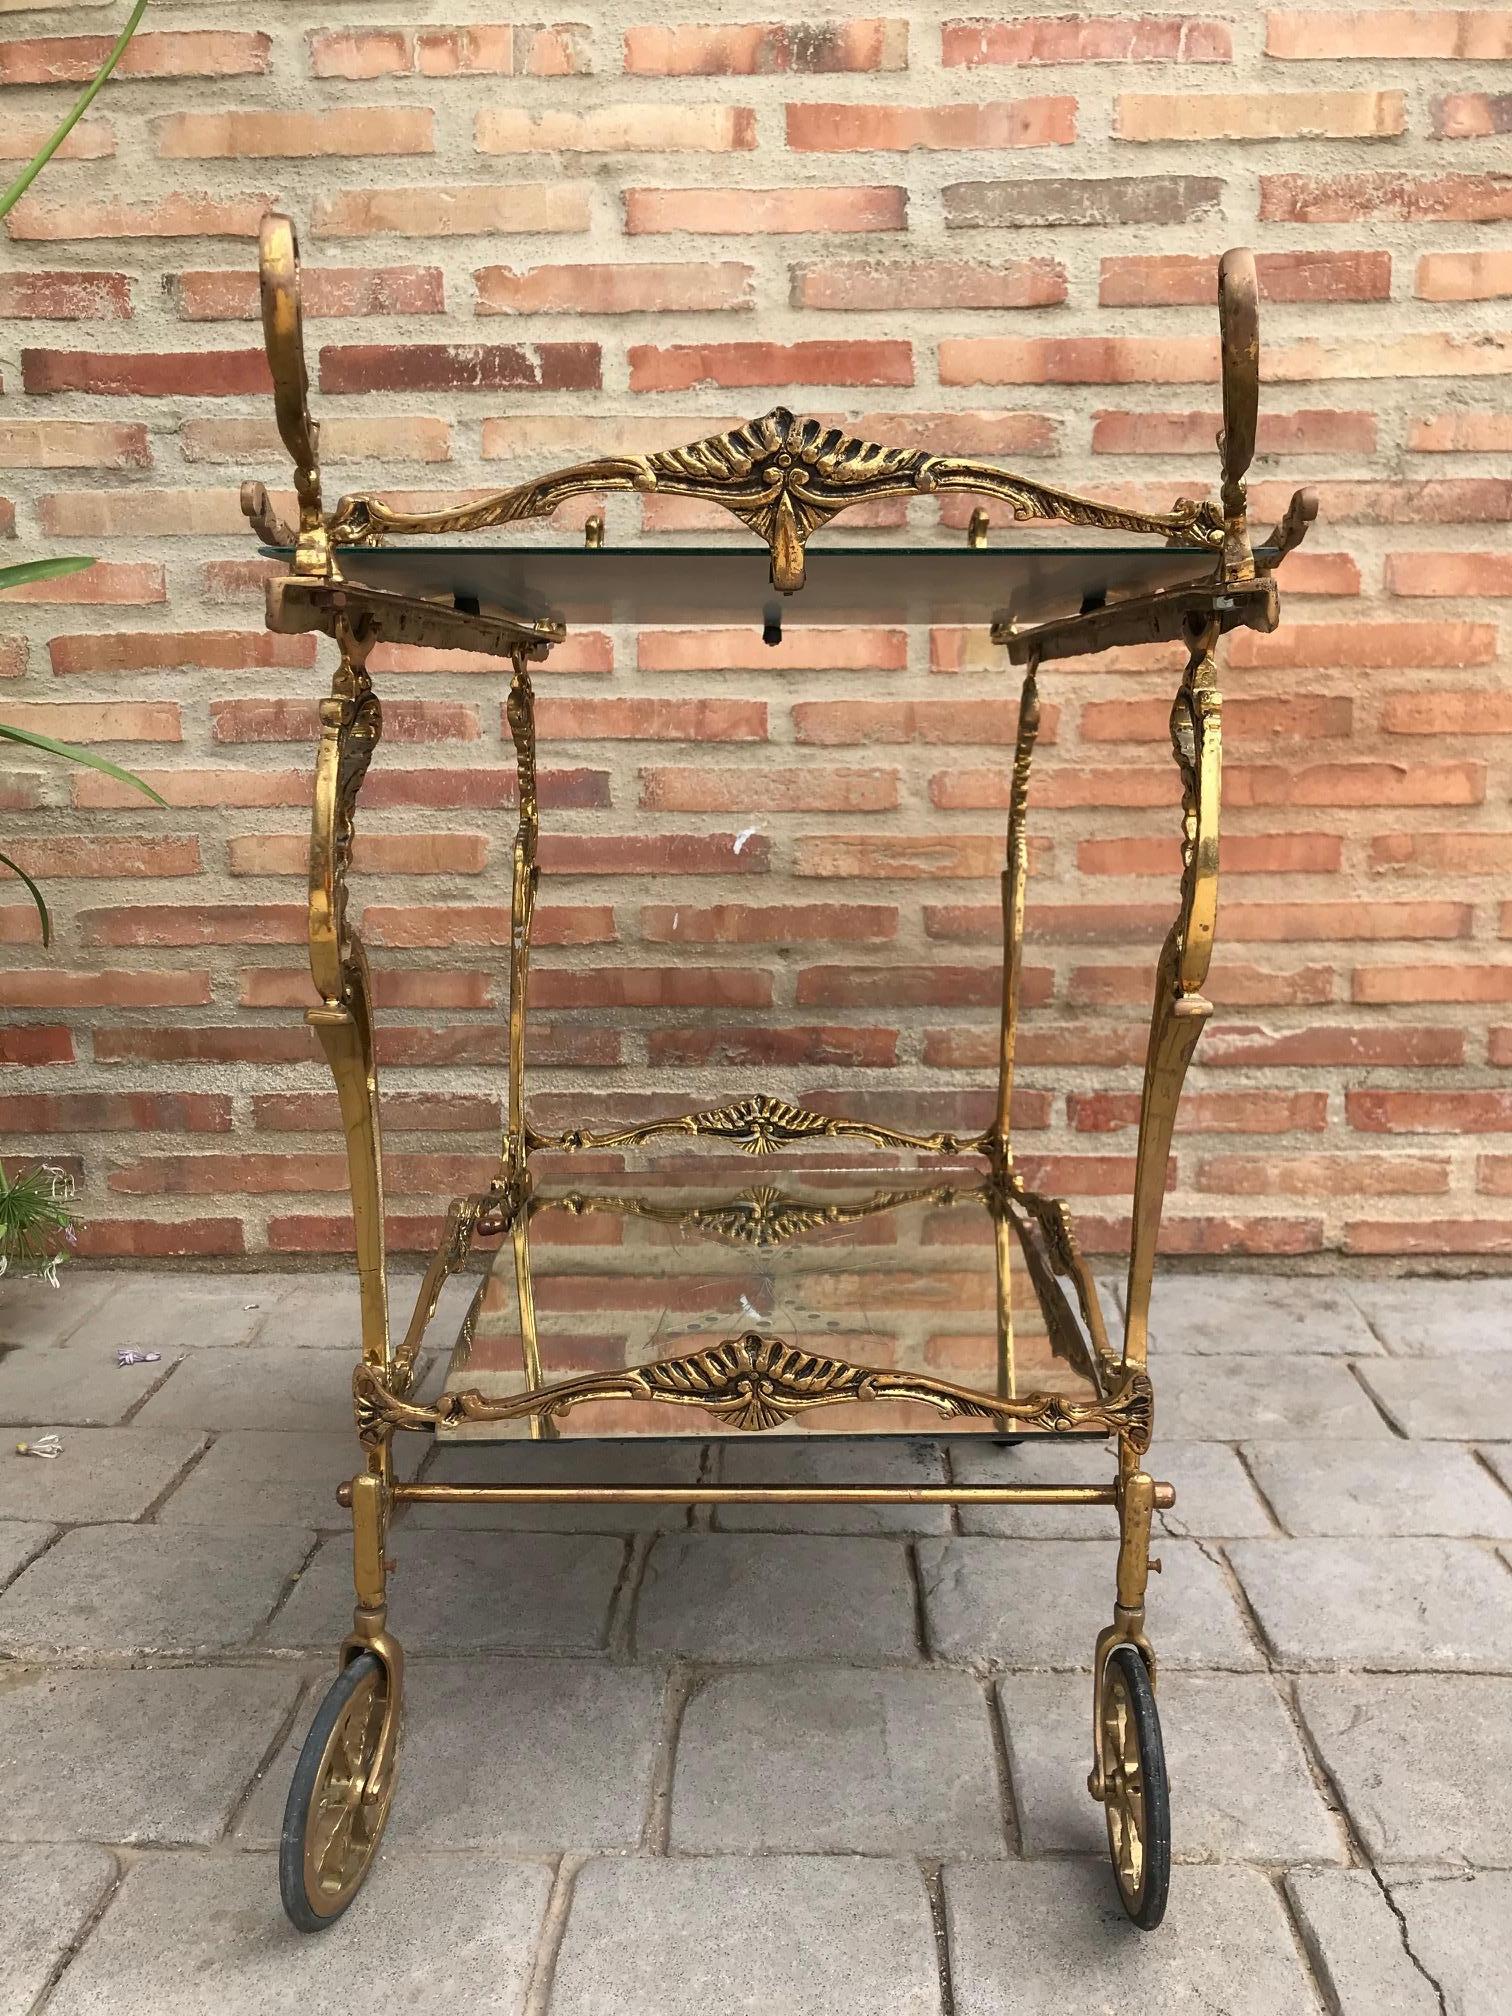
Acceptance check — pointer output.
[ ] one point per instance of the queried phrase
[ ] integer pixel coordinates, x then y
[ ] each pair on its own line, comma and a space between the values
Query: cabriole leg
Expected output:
1014, 881
520, 713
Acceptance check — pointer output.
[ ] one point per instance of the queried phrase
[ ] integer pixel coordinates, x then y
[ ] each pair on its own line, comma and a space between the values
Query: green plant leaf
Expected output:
36, 896
81, 105
22, 571
85, 757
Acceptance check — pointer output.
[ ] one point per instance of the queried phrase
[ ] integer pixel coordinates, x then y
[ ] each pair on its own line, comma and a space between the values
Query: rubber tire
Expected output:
1157, 1791
291, 1845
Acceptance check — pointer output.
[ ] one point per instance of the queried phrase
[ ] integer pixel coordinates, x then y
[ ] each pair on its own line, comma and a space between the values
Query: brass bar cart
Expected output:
940, 1230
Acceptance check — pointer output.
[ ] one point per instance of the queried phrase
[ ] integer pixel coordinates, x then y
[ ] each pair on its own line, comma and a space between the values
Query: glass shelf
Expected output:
1027, 582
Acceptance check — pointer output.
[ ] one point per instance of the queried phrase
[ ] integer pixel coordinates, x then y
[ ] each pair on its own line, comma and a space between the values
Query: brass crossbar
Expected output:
760, 1494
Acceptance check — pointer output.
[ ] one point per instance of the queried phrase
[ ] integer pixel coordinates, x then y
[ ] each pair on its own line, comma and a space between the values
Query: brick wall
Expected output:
527, 242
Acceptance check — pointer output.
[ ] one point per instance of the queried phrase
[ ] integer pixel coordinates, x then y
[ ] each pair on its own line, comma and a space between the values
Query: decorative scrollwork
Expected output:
1196, 740
784, 476
761, 1125
752, 1382
763, 1217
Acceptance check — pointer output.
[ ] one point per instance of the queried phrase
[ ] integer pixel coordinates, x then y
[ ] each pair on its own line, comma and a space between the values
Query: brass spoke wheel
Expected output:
1136, 1798
339, 1798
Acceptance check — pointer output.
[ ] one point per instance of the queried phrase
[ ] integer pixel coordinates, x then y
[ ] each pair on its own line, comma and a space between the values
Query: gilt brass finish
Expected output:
785, 477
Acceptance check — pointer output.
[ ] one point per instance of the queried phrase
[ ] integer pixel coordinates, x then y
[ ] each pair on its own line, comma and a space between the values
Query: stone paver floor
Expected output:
661, 1763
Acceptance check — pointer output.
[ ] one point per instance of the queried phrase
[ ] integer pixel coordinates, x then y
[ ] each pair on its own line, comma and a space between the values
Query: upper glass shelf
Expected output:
1027, 582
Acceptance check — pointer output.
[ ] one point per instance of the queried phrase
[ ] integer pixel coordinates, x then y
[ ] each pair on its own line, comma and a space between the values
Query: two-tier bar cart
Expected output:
862, 1295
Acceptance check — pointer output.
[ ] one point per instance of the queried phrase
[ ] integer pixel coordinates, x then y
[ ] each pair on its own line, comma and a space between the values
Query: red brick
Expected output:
73, 444
1461, 434
1392, 33
609, 987
194, 924
430, 210
65, 297
459, 367
149, 375
680, 366
1259, 115
1464, 276
1206, 1112
762, 49
53, 987
125, 514
1306, 718
1182, 279
226, 294
805, 790
1075, 39
115, 1113
1422, 354
617, 129
1305, 433
823, 1047
74, 59
1410, 199
299, 721
222, 1043
90, 140
450, 788
1445, 1110
621, 288
450, 925
911, 987
34, 1046
835, 723
1402, 1048
801, 650
119, 582
101, 721
1229, 984
897, 856
1447, 713
1324, 1175
55, 858
1376, 646
1059, 789
1307, 573
345, 131
1428, 1235
1077, 360
1460, 500
651, 720
853, 128
218, 787
1249, 922
1048, 203
1493, 1175
1382, 986
159, 1239
374, 853
768, 923
172, 216
996, 432
1442, 853
1243, 854
1472, 115
1426, 573
655, 854
177, 650
843, 286
1346, 784
744, 211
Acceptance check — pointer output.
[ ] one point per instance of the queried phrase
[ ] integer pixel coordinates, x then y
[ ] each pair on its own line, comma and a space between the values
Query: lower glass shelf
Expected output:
833, 1301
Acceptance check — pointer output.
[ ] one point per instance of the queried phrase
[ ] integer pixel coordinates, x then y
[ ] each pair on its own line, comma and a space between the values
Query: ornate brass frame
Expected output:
785, 477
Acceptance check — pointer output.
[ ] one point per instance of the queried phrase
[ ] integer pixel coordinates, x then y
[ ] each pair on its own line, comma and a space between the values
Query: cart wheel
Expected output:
1136, 1795
338, 1801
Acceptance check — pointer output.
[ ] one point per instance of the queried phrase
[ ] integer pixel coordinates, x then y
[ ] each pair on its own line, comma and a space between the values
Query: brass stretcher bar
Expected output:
785, 478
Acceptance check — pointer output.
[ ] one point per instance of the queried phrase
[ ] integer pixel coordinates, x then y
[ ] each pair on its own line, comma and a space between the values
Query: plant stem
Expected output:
86, 98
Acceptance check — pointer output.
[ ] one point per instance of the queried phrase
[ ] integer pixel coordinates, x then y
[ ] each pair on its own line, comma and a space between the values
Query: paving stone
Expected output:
456, 1592
33, 1313
134, 1756
803, 1935
178, 1313
1466, 1399
275, 1477
190, 1934
1214, 1497
1437, 1319
259, 1386
569, 1462
1235, 1314
532, 1755
1247, 1399
19, 1541
1457, 1929
103, 1473
323, 1312
1393, 1605
863, 1459
1354, 1940
1241, 1790
1380, 1489
47, 1896
77, 1383
123, 1589
829, 1760
1415, 1758
747, 1596
1051, 1939
1499, 1458
1014, 1603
